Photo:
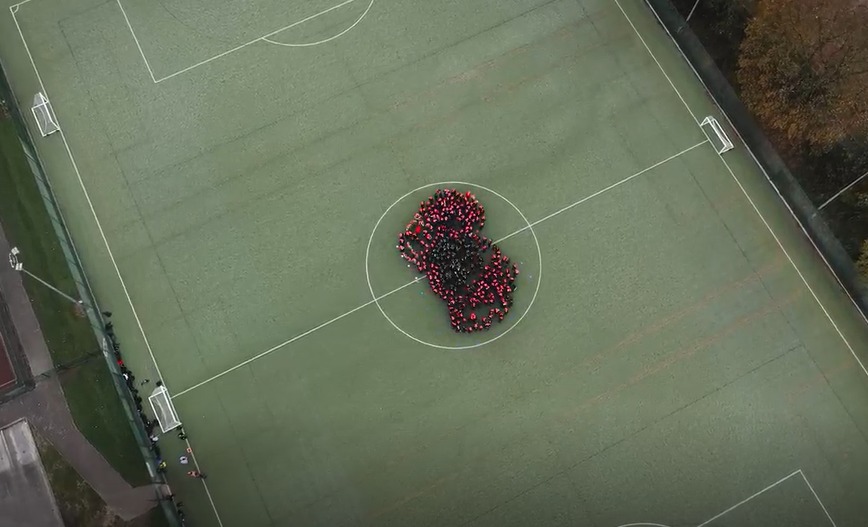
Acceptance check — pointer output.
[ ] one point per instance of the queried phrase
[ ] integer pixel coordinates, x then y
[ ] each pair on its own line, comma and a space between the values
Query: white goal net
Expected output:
716, 135
164, 410
44, 115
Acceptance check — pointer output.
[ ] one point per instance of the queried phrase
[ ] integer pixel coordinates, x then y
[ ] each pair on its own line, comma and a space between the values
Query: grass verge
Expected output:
78, 503
90, 393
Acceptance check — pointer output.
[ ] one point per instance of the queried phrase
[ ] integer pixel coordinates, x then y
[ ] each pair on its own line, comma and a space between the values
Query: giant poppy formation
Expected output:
465, 269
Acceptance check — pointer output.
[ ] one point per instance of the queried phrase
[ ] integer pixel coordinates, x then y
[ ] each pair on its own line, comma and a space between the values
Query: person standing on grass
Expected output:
196, 474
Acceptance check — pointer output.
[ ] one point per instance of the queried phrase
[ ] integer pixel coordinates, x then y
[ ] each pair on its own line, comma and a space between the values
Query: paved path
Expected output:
45, 408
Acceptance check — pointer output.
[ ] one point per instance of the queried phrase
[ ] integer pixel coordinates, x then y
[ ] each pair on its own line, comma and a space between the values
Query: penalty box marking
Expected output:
798, 472
264, 38
408, 284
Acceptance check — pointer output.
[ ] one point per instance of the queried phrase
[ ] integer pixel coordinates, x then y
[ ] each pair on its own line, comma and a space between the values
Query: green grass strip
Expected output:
89, 390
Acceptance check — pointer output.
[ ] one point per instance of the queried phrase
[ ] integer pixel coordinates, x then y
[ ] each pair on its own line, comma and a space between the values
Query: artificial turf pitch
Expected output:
681, 348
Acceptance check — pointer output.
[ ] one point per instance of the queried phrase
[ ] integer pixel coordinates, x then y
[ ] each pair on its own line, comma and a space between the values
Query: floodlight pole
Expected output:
17, 265
843, 190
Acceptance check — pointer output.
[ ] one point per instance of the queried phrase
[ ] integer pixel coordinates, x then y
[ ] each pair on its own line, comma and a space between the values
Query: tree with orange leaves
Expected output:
803, 69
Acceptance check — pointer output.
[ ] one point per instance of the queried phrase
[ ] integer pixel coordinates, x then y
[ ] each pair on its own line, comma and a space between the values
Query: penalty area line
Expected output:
752, 496
408, 284
136, 40
263, 38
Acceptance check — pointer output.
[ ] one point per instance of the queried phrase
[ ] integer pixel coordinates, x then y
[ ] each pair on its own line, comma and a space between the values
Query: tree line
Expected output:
801, 67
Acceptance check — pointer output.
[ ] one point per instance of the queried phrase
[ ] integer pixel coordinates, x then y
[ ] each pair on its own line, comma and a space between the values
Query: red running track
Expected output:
7, 376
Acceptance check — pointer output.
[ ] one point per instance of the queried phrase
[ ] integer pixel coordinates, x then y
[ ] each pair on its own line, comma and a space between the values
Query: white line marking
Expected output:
102, 234
446, 184
742, 502
811, 487
769, 179
384, 295
762, 218
236, 48
618, 3
599, 192
798, 271
325, 40
293, 339
136, 39
14, 7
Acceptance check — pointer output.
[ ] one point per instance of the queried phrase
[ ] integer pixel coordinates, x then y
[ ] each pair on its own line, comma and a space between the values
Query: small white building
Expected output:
26, 498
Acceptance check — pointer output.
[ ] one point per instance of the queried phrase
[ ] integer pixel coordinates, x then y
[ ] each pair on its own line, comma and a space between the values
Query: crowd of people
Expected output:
463, 267
150, 425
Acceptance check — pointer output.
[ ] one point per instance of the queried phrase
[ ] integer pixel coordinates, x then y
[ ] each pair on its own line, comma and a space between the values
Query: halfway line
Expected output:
293, 339
408, 284
595, 194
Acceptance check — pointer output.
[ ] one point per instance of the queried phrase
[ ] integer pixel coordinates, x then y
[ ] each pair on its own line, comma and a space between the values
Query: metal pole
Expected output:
843, 190
17, 265
690, 14
56, 290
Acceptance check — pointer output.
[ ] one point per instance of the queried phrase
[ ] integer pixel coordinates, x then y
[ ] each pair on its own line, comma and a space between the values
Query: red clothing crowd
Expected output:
465, 269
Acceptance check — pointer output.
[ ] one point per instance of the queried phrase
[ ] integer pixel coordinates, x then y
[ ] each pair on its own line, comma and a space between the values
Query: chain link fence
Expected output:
91, 307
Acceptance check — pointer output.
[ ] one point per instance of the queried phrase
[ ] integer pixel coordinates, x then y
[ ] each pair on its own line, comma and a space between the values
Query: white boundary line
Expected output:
752, 496
263, 38
822, 506
754, 206
136, 39
756, 161
384, 295
14, 7
13, 10
768, 178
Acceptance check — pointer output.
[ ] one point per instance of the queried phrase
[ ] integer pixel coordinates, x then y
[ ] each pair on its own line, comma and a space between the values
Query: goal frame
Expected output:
718, 132
42, 110
166, 424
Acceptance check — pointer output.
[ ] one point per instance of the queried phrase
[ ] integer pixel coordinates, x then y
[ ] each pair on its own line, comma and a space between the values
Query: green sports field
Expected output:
235, 176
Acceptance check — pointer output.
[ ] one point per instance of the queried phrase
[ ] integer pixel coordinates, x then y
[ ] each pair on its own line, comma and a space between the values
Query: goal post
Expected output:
716, 135
164, 410
44, 115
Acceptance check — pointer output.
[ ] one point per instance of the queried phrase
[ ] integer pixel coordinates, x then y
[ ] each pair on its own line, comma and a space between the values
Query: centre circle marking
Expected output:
376, 299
